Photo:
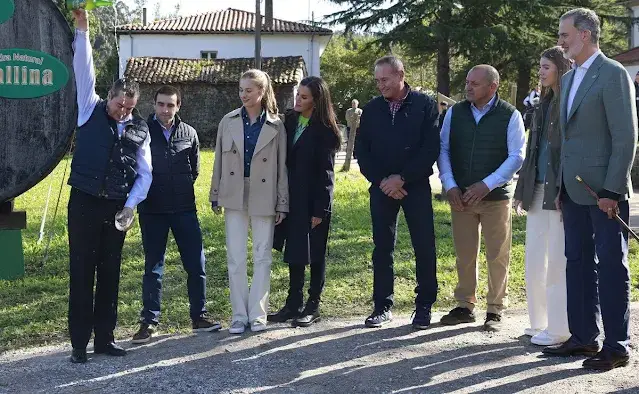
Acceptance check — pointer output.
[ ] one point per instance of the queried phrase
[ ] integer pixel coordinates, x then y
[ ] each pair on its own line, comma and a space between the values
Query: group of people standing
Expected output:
576, 252
275, 173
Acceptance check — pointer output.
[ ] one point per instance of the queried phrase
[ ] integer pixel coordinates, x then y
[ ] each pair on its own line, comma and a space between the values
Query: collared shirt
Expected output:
578, 77
88, 99
167, 132
516, 138
394, 106
251, 135
302, 123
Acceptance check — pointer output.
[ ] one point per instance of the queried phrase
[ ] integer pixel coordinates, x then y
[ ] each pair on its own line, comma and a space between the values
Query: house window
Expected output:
208, 55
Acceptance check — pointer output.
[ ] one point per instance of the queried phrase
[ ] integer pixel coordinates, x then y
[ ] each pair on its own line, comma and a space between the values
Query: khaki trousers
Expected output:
494, 217
249, 305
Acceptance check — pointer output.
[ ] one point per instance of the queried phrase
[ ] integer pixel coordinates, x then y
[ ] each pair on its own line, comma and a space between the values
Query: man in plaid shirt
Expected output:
397, 145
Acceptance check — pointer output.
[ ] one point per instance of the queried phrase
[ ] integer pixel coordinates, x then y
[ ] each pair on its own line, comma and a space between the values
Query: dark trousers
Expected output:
188, 236
295, 298
418, 210
317, 250
94, 245
597, 274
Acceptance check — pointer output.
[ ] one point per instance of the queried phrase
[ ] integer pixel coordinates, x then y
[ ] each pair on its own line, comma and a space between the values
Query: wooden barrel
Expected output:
38, 110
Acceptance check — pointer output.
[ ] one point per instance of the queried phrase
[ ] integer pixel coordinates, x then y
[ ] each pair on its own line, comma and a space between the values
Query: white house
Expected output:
225, 34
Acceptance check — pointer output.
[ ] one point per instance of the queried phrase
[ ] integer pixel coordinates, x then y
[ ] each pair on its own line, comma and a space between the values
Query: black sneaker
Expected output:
457, 316
378, 318
421, 319
144, 334
203, 324
493, 322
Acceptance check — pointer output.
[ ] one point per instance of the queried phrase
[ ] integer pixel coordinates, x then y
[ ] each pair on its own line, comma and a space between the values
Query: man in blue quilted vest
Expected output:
110, 176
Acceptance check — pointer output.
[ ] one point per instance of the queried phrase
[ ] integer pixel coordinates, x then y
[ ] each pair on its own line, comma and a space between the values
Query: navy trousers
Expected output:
418, 211
188, 236
95, 255
597, 275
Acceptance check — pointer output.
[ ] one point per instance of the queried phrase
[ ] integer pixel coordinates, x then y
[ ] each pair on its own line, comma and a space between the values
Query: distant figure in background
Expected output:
353, 114
443, 107
529, 103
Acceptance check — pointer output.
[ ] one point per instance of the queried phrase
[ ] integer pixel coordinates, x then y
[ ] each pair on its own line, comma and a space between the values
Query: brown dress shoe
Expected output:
606, 360
571, 348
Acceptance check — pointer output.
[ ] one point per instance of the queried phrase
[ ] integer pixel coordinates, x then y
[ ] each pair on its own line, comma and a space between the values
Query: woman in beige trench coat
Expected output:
250, 183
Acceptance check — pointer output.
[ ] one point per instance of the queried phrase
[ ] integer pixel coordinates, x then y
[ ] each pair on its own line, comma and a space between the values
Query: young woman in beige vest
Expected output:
250, 183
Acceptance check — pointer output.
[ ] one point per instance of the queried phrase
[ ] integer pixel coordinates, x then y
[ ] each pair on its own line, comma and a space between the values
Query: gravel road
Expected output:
335, 356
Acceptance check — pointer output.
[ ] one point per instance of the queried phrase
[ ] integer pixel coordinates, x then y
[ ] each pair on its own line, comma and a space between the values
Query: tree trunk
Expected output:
443, 54
523, 84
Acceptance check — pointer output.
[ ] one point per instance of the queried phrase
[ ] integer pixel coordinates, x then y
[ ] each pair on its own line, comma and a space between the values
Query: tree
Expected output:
347, 67
509, 34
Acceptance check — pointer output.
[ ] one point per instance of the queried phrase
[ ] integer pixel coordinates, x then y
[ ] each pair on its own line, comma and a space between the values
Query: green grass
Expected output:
33, 310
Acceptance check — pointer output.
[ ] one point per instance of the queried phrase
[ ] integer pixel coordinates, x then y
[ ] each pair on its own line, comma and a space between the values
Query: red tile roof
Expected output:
222, 22
629, 57
282, 70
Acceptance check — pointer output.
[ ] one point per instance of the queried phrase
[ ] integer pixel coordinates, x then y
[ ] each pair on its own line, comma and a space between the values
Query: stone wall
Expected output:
204, 105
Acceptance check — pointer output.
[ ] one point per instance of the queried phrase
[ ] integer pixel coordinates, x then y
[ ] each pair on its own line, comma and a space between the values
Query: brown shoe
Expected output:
493, 322
571, 348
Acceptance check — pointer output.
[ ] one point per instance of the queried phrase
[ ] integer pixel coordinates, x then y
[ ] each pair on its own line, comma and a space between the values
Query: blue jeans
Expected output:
188, 236
597, 274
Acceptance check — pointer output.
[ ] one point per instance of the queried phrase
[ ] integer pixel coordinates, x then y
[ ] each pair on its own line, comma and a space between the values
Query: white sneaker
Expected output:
257, 326
546, 339
531, 332
237, 327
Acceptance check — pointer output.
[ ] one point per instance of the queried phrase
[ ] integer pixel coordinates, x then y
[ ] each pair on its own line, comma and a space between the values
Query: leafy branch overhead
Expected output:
509, 34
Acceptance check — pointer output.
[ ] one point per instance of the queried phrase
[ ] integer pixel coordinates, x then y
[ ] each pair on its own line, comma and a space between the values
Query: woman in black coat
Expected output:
313, 139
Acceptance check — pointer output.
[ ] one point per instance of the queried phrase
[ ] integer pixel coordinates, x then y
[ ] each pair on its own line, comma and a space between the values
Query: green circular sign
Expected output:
28, 74
6, 10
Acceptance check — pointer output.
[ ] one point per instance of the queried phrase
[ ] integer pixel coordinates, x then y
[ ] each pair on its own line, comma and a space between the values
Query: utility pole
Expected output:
268, 8
258, 35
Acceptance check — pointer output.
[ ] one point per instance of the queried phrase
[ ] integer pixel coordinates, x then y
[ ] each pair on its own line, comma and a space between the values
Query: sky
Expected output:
291, 10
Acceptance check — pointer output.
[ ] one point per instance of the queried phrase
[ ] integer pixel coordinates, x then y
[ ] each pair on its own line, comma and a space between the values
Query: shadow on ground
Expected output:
334, 356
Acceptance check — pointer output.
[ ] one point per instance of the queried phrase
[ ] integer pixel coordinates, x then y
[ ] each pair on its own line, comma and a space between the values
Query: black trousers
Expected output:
418, 211
295, 298
95, 247
318, 238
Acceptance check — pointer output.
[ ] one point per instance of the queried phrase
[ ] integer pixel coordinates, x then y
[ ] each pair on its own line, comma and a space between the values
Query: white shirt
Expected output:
516, 138
578, 77
88, 99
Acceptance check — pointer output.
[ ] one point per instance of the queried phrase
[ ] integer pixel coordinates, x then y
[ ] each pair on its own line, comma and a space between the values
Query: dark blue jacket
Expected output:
407, 145
176, 165
103, 163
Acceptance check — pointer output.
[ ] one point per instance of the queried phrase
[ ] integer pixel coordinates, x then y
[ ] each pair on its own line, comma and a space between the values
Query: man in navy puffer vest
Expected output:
171, 205
110, 176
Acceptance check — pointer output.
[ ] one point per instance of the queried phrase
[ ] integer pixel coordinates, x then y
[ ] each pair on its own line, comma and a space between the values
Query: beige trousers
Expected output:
249, 304
546, 268
493, 219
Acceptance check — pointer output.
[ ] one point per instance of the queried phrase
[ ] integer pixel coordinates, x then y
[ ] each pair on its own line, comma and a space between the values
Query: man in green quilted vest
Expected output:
482, 147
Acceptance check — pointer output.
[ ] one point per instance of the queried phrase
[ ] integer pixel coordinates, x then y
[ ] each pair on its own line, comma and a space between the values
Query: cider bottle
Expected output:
88, 4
